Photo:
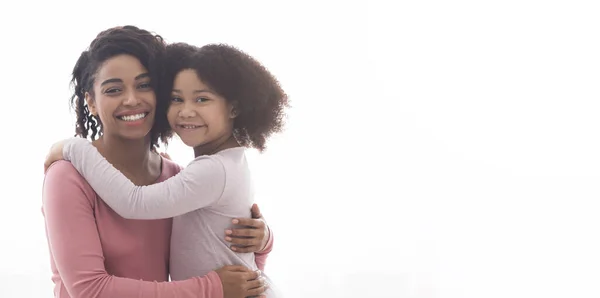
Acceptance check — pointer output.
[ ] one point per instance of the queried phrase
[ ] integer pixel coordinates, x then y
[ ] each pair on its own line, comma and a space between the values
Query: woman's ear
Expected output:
91, 104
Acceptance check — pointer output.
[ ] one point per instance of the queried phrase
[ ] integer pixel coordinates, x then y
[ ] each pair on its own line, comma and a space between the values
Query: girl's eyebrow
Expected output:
195, 91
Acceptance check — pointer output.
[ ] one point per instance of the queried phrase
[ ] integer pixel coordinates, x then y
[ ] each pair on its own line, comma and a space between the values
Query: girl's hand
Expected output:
55, 154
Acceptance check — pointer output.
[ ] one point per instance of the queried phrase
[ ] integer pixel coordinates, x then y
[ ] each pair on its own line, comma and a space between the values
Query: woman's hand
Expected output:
55, 154
253, 237
241, 282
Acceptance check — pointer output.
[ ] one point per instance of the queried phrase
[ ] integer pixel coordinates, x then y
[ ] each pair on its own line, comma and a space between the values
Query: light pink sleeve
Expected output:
199, 185
77, 252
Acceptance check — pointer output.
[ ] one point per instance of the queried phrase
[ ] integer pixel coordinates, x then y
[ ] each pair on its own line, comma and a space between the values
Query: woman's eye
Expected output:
112, 90
145, 86
176, 99
202, 99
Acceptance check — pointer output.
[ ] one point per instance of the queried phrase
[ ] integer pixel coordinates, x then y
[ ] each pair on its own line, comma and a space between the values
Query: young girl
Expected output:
222, 101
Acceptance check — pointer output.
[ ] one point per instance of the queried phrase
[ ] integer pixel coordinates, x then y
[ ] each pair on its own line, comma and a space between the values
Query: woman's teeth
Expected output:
133, 117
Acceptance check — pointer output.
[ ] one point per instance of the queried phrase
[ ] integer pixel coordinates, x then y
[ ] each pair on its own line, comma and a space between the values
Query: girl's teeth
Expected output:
133, 117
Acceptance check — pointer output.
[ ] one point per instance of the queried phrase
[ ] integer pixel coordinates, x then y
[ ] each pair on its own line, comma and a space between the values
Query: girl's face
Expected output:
123, 98
198, 114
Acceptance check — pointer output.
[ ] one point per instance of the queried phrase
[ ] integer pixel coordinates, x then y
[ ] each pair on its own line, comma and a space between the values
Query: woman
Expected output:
95, 252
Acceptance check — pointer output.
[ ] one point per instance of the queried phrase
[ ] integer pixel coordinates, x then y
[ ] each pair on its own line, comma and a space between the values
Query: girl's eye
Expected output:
176, 99
202, 99
112, 90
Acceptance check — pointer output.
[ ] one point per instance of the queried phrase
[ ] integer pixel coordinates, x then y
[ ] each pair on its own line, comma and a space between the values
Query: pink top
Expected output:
95, 253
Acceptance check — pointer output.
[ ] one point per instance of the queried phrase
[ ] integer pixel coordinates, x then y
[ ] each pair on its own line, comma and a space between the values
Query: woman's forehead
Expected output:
122, 67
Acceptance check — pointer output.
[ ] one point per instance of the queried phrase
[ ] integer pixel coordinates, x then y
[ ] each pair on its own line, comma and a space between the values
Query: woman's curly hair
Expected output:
147, 47
240, 79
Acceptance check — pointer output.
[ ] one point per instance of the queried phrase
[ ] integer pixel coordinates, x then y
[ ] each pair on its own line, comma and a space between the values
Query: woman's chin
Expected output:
136, 134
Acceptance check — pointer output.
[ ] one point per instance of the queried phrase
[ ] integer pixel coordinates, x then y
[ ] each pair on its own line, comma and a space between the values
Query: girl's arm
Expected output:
199, 185
247, 239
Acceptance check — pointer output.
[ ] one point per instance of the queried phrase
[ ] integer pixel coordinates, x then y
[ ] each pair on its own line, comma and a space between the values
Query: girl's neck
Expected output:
215, 146
133, 158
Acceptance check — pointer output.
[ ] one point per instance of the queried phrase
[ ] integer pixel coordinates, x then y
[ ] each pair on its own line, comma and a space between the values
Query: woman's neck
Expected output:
133, 158
216, 146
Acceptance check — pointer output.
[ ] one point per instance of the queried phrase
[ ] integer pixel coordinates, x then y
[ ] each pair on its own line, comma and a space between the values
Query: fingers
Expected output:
240, 241
243, 233
255, 211
248, 239
47, 162
165, 155
249, 222
256, 291
47, 165
257, 283
251, 275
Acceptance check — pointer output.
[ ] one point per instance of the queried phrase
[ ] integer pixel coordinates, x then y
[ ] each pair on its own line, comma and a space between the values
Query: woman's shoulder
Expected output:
63, 180
63, 170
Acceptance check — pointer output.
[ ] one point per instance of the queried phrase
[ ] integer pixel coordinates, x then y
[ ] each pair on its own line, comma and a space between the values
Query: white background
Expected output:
434, 148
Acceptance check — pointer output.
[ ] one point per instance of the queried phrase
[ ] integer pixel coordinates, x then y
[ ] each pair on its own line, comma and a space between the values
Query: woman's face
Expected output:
123, 98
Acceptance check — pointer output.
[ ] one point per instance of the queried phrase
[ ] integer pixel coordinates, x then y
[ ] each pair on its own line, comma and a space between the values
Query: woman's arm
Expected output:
255, 236
198, 185
77, 252
260, 258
